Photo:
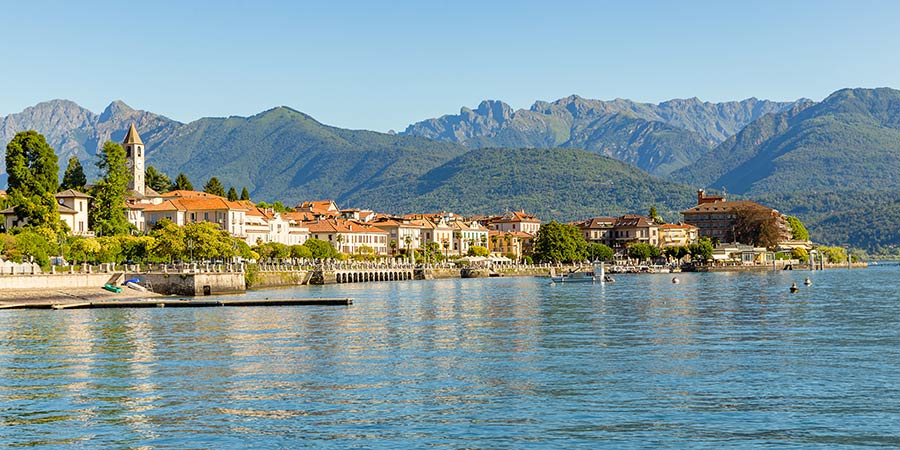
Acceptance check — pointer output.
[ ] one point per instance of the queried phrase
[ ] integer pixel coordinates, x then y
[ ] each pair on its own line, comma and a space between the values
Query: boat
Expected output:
112, 288
135, 286
596, 273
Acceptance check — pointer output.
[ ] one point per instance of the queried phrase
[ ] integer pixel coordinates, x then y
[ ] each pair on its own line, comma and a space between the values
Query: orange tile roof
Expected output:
516, 216
672, 226
190, 194
196, 204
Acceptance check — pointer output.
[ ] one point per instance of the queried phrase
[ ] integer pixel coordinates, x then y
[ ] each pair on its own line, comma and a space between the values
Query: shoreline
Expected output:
69, 296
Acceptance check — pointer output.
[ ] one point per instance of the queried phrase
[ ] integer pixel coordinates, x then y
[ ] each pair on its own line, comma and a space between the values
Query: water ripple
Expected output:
720, 360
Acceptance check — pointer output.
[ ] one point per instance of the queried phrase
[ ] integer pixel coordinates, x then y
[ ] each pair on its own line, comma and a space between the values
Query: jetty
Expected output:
180, 303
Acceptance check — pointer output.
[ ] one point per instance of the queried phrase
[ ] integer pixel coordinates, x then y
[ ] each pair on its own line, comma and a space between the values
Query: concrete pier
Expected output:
181, 303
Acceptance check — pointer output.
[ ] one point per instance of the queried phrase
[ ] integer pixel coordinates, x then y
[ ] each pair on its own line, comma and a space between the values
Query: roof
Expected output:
725, 206
400, 223
189, 194
673, 226
322, 207
132, 137
341, 226
72, 193
63, 209
634, 220
196, 204
516, 216
598, 222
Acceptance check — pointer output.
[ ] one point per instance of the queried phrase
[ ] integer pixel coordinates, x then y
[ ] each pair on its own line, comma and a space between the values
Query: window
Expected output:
206, 216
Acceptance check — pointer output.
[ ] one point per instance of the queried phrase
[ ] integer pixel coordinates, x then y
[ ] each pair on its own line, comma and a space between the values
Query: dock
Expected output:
181, 303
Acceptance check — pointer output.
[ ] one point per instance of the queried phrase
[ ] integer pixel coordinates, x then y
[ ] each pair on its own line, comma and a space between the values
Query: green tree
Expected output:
320, 249
33, 181
182, 183
110, 249
232, 194
559, 242
702, 250
676, 252
245, 195
169, 241
654, 216
84, 250
798, 231
157, 180
214, 187
107, 209
600, 252
833, 254
74, 176
478, 250
643, 251
207, 241
800, 254
31, 245
301, 251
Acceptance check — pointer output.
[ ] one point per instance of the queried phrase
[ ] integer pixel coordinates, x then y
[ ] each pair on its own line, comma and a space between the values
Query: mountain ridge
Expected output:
692, 127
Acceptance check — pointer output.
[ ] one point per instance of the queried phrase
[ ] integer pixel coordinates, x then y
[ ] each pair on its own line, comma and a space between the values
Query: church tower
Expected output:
134, 154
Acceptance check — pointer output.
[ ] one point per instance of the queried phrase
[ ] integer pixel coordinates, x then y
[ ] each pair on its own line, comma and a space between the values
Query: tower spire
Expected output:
134, 154
132, 137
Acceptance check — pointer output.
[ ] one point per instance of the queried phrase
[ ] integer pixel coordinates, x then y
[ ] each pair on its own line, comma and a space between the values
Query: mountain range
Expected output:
832, 163
658, 138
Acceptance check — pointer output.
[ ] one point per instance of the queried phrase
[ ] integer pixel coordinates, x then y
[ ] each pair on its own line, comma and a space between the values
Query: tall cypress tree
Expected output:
32, 167
244, 194
74, 177
182, 183
107, 211
157, 180
214, 187
232, 194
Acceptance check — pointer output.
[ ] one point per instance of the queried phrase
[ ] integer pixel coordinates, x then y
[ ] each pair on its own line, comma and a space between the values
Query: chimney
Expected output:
699, 196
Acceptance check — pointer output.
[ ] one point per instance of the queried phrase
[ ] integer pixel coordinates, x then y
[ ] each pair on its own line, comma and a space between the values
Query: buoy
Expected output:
808, 282
675, 280
794, 287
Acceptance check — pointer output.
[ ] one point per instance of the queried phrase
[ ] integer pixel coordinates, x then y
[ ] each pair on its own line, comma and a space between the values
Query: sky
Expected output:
383, 65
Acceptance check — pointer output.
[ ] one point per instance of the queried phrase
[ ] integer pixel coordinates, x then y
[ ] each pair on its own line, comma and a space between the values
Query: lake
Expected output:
719, 360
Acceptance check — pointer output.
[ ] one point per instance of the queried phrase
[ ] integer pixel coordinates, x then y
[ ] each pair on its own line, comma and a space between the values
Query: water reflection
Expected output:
717, 360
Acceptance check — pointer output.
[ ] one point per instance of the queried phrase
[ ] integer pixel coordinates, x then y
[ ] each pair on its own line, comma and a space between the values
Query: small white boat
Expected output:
581, 276
135, 286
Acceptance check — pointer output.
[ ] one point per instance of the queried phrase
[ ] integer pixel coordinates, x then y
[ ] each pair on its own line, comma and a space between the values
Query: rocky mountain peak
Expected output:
115, 109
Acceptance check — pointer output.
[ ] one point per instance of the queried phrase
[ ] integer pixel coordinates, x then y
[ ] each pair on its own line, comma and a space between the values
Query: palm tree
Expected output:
408, 239
393, 245
458, 236
340, 239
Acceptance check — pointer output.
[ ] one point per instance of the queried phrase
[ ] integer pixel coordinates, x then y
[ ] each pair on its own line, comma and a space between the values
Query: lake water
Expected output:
720, 360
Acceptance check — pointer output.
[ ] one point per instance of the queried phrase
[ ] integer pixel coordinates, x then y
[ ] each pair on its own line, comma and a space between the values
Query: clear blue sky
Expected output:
384, 65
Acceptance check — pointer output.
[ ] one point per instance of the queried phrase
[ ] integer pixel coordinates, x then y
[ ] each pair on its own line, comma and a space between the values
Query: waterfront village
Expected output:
505, 238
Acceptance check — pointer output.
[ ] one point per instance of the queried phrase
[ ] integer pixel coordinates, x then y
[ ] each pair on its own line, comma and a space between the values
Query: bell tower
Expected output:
134, 155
